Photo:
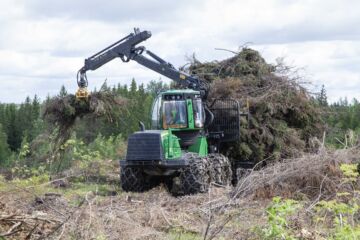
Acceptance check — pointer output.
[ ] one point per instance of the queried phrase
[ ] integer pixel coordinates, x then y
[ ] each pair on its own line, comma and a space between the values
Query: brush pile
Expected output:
62, 111
283, 116
310, 176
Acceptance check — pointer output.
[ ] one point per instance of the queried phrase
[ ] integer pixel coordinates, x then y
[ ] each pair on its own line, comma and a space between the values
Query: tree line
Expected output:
22, 124
342, 119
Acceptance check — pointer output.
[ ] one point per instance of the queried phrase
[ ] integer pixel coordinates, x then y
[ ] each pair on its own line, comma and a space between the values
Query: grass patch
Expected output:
78, 191
36, 185
178, 233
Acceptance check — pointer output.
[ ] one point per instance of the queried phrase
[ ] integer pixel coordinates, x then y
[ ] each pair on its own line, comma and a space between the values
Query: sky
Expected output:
44, 43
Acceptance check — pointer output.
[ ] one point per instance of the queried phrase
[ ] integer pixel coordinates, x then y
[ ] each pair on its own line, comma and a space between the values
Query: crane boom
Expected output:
127, 50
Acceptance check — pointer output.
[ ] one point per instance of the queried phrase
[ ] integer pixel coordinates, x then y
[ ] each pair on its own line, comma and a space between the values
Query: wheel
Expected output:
221, 172
169, 183
195, 177
134, 180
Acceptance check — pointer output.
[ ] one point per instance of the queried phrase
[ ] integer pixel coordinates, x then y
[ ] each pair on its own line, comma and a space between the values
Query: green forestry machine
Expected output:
183, 147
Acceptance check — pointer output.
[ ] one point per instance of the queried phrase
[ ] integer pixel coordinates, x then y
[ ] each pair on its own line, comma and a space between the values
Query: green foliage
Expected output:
34, 180
81, 189
26, 140
343, 119
336, 218
350, 171
100, 148
23, 172
85, 155
322, 97
342, 214
179, 233
155, 87
277, 214
3, 184
21, 120
11, 123
101, 237
24, 149
4, 148
63, 92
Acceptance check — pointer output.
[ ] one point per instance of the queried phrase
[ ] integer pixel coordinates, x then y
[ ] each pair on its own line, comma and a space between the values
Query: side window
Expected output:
199, 114
155, 115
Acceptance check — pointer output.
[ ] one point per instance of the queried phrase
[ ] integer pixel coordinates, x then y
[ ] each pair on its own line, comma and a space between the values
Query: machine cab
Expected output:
178, 109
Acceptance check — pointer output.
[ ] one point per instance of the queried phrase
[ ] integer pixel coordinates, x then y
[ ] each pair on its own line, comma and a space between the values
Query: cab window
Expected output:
174, 114
199, 114
155, 115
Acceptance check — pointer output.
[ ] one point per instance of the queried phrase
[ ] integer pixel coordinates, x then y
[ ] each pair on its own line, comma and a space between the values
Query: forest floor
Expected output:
82, 213
71, 208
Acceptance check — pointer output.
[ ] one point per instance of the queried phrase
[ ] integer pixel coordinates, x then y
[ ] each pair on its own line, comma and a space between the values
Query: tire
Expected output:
168, 183
195, 177
221, 172
134, 180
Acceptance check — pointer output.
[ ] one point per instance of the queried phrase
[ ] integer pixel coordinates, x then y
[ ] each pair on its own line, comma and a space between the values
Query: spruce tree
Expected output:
63, 91
322, 98
133, 87
4, 148
36, 107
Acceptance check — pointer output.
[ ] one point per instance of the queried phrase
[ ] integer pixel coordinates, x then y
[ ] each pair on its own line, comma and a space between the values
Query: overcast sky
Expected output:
44, 43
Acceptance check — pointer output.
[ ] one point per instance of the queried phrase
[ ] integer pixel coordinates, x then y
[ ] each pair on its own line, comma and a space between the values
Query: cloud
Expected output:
330, 63
44, 43
109, 11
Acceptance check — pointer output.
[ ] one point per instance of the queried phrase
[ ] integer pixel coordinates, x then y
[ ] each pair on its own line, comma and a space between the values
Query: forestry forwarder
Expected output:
183, 148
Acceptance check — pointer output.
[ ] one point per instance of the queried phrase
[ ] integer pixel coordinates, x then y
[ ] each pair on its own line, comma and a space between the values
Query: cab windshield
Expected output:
174, 114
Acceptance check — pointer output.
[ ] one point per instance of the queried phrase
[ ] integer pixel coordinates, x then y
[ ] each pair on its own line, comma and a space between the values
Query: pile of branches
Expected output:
282, 114
19, 220
23, 226
312, 176
63, 111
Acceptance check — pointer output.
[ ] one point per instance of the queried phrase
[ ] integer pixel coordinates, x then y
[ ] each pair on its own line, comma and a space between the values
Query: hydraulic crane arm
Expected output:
126, 50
